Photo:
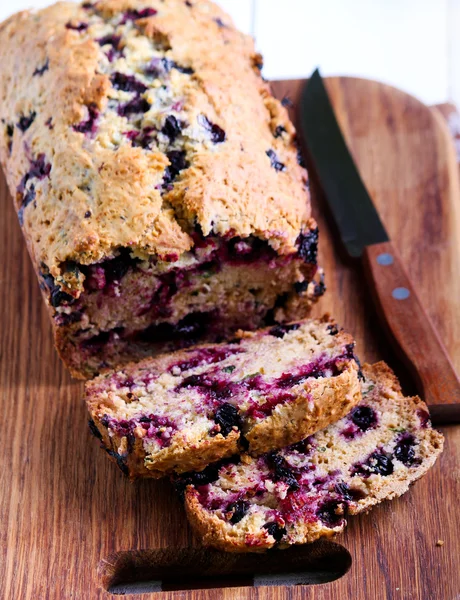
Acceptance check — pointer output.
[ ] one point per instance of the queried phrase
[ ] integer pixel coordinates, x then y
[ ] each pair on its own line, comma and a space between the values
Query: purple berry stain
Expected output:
274, 161
89, 124
26, 121
217, 133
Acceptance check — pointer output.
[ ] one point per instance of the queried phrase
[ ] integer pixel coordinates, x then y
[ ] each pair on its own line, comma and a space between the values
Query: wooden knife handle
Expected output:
413, 332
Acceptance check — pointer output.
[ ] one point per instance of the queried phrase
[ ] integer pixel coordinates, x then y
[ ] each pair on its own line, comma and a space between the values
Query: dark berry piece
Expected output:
87, 214
134, 15
364, 417
94, 430
243, 443
9, 130
97, 341
185, 70
142, 139
127, 83
227, 417
40, 70
197, 479
49, 123
307, 244
330, 513
220, 23
301, 161
116, 268
424, 418
333, 329
217, 133
171, 128
39, 169
274, 162
276, 531
137, 105
282, 471
404, 450
301, 286
320, 288
178, 161
121, 462
27, 198
63, 319
280, 331
192, 326
304, 446
239, 510
58, 297
77, 27
88, 126
279, 131
159, 67
378, 462
188, 3
348, 493
111, 39
87, 5
25, 122
287, 102
350, 350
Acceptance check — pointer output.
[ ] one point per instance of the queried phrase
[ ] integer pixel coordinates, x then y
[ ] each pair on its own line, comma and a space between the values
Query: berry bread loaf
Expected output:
264, 390
307, 490
156, 180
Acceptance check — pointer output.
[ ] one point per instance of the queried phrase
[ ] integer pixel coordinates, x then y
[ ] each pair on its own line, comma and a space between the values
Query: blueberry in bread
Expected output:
308, 489
261, 391
155, 177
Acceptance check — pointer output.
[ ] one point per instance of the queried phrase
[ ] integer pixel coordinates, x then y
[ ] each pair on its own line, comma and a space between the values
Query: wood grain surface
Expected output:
71, 525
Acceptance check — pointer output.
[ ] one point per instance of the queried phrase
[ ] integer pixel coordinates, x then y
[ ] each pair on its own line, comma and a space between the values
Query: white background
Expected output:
412, 44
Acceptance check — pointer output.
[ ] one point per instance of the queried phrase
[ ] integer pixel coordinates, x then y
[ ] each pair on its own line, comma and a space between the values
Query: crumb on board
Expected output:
440, 543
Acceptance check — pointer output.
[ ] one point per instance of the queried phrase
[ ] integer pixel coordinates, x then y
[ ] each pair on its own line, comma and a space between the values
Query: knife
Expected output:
364, 236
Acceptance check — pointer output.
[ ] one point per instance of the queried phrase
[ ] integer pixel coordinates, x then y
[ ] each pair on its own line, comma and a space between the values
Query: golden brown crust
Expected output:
174, 459
228, 188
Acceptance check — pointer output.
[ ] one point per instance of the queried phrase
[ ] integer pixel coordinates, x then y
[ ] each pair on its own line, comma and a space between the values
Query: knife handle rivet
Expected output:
385, 259
400, 293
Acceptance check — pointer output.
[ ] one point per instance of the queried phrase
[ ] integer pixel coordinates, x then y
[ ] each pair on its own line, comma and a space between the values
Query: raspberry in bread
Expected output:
264, 390
306, 491
155, 177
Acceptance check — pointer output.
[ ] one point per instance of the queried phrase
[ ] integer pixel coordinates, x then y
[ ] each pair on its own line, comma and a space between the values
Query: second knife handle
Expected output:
413, 332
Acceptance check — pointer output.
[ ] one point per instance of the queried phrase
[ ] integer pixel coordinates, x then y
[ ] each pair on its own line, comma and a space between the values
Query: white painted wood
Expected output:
454, 51
240, 10
401, 42
412, 44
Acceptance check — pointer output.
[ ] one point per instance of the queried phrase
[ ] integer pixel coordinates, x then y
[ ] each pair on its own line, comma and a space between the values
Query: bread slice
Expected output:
261, 391
306, 491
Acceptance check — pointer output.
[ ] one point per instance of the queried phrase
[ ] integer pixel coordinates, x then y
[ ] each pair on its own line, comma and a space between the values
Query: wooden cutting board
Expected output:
71, 526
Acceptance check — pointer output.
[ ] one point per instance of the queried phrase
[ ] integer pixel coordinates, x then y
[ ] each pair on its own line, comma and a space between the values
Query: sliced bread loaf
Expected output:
306, 491
261, 391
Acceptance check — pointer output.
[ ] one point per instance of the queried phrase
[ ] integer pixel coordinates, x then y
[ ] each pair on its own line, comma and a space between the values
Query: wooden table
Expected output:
71, 525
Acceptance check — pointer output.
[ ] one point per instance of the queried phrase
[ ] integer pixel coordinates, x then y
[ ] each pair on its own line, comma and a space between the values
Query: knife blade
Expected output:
364, 235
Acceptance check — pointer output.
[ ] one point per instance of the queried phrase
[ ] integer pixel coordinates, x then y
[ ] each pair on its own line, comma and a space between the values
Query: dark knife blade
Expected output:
363, 234
354, 213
